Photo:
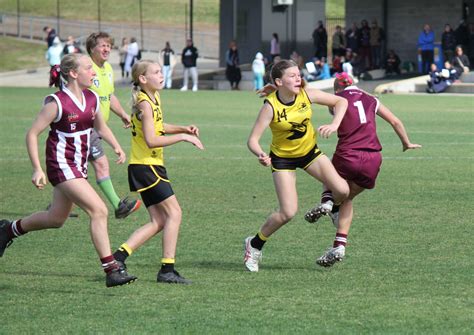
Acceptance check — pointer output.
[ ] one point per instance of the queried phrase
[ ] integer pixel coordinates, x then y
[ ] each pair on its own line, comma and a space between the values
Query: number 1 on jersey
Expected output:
361, 110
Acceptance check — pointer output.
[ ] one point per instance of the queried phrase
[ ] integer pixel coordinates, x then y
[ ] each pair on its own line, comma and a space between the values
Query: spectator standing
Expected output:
364, 46
232, 71
50, 35
55, 52
123, 50
471, 45
71, 46
167, 61
462, 35
338, 43
448, 42
352, 38
132, 53
188, 59
320, 41
274, 46
258, 68
426, 48
377, 36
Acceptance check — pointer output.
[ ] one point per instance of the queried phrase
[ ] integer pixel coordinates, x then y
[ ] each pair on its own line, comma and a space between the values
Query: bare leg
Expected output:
285, 186
323, 170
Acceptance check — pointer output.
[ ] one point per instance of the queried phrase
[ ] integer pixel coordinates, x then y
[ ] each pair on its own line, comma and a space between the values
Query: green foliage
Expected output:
335, 8
408, 268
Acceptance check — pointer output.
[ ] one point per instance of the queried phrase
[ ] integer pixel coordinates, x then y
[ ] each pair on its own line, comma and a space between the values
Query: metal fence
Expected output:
207, 41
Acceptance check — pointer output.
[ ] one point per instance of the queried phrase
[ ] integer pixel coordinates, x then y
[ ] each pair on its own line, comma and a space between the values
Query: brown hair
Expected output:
91, 41
278, 69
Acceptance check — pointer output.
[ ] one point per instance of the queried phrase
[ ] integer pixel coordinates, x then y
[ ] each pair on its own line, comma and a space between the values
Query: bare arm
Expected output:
45, 117
263, 120
338, 105
397, 125
117, 109
175, 129
104, 131
154, 141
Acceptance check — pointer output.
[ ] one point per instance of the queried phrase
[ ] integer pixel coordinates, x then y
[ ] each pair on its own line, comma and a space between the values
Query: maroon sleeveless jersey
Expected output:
357, 130
67, 146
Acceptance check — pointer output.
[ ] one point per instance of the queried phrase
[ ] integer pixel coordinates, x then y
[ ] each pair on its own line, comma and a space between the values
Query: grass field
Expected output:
16, 54
409, 265
154, 11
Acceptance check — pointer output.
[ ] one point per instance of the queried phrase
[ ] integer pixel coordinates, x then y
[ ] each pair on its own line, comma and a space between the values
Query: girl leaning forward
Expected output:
146, 172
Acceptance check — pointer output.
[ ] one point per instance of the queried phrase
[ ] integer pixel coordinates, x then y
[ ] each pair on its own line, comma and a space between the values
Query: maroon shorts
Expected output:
360, 167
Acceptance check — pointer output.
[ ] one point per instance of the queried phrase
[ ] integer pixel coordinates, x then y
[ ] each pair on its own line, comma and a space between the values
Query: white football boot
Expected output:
331, 256
314, 214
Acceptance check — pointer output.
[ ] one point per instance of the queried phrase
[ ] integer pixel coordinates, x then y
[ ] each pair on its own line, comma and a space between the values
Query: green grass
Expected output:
335, 8
154, 11
408, 268
16, 54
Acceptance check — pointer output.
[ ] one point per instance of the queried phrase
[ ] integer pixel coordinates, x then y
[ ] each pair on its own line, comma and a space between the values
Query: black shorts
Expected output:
151, 181
290, 164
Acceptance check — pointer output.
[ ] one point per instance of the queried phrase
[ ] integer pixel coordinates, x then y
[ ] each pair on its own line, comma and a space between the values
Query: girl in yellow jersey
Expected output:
287, 112
146, 171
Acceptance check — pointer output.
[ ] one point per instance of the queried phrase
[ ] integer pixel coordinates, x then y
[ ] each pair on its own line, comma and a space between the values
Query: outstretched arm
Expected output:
45, 117
263, 120
397, 126
336, 103
154, 141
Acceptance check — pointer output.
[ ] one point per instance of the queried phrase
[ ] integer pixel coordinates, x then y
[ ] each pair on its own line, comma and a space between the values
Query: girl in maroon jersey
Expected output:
71, 114
357, 159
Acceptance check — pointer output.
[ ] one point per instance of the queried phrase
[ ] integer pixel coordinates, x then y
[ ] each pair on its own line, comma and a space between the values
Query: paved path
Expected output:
39, 77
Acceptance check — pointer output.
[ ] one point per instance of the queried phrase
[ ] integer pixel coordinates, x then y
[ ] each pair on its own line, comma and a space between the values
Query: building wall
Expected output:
294, 27
405, 20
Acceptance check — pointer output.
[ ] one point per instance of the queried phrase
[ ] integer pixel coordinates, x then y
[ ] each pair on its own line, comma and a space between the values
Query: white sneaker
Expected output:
251, 255
331, 256
195, 88
317, 212
184, 88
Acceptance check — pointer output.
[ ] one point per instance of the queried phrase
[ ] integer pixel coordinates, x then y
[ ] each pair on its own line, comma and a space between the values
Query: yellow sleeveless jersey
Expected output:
292, 130
141, 153
103, 85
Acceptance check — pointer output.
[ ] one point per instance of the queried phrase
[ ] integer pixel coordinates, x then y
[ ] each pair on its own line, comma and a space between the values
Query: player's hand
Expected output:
411, 146
121, 157
266, 90
193, 130
39, 179
326, 130
194, 141
264, 159
127, 122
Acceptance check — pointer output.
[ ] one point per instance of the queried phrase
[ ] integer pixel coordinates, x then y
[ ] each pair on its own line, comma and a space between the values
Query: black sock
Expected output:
257, 242
121, 255
335, 208
167, 267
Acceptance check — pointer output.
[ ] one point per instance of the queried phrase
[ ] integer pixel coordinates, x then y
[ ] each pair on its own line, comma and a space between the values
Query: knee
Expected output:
342, 192
286, 214
98, 212
56, 221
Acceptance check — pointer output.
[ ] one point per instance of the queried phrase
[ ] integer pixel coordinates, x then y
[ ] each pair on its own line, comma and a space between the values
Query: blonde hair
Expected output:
138, 69
70, 62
